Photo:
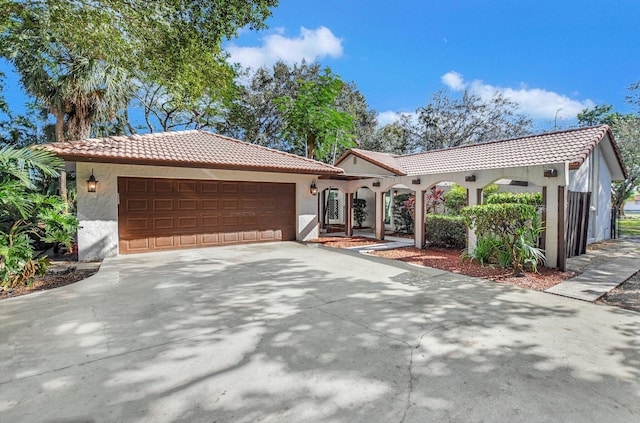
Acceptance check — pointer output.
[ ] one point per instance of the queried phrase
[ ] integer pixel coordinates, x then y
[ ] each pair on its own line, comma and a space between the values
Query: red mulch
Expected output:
346, 242
451, 261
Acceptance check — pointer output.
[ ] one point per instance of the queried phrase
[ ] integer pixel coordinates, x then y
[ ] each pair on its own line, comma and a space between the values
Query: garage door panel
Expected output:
161, 214
162, 186
137, 205
163, 223
137, 185
164, 204
209, 204
187, 187
188, 204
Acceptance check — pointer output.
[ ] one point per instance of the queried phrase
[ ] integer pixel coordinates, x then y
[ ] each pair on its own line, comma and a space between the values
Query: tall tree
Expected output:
313, 120
469, 119
254, 114
392, 138
626, 130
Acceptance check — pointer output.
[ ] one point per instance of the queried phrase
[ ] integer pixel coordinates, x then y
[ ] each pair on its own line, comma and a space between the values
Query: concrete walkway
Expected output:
284, 332
602, 269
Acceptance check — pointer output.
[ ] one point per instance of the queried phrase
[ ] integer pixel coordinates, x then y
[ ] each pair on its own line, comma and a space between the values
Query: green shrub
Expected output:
445, 231
488, 191
510, 224
403, 211
532, 199
455, 199
485, 251
359, 215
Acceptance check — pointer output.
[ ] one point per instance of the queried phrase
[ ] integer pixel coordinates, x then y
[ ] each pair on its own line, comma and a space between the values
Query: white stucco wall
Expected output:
584, 180
353, 164
98, 212
603, 205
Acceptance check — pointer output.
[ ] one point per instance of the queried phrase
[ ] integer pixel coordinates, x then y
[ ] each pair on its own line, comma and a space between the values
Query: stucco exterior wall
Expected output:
98, 212
353, 164
603, 204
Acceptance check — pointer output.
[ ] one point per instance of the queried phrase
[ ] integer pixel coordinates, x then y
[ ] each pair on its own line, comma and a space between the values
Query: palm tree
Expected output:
76, 89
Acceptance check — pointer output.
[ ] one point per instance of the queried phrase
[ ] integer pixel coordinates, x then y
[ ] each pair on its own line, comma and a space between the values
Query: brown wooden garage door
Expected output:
165, 214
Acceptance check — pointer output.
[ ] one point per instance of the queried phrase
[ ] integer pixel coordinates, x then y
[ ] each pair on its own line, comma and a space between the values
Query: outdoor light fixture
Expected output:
470, 178
550, 173
376, 184
395, 193
415, 181
92, 183
313, 189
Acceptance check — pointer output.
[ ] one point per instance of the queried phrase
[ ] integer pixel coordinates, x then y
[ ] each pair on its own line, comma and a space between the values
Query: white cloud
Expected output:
385, 118
536, 102
453, 80
310, 45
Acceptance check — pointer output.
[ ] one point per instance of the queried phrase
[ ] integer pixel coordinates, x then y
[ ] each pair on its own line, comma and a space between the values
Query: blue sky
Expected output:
553, 57
546, 55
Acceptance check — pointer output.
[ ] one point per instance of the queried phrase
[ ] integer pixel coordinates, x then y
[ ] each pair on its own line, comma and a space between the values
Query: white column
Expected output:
380, 212
474, 198
419, 219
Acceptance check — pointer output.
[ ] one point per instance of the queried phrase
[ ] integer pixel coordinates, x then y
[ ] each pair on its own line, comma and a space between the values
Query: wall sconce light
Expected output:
92, 183
313, 189
415, 181
395, 193
550, 173
470, 178
376, 184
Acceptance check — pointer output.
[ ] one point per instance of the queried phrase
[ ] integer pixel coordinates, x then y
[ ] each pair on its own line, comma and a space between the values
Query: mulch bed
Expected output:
627, 295
451, 261
49, 281
345, 242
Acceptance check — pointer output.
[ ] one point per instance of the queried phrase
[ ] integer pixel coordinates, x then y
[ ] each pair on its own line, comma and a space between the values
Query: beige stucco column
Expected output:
419, 219
474, 198
380, 212
348, 214
554, 234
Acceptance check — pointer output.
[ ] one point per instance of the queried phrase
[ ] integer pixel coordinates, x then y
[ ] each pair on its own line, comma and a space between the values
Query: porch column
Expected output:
562, 228
348, 214
555, 232
418, 224
380, 212
473, 200
323, 210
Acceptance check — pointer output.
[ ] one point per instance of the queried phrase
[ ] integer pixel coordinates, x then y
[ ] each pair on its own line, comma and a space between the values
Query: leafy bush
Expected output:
532, 199
510, 224
26, 215
485, 252
488, 191
403, 211
455, 199
359, 215
445, 231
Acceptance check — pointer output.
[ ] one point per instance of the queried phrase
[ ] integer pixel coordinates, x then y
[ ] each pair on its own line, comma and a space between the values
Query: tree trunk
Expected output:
311, 145
63, 173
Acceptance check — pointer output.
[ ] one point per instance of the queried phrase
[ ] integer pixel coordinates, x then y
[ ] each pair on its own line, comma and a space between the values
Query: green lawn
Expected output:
630, 225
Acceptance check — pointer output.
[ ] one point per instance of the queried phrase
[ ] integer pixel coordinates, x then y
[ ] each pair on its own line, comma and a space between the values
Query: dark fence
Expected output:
577, 223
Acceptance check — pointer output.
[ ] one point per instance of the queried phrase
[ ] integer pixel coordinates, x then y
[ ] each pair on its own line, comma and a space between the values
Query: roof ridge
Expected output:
604, 128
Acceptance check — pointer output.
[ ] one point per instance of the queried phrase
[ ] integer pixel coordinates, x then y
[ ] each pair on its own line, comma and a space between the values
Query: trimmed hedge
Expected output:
532, 199
445, 231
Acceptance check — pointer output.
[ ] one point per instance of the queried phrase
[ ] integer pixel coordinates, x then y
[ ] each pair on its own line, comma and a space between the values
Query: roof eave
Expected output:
396, 172
196, 165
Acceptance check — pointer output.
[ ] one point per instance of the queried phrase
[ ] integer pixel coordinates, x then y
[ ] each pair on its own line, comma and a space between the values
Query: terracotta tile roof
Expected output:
188, 149
571, 146
384, 160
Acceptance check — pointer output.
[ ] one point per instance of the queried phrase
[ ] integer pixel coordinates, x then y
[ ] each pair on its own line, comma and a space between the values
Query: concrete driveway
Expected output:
289, 332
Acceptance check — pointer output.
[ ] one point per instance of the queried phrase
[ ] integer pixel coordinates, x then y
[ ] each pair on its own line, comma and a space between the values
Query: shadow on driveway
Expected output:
289, 332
